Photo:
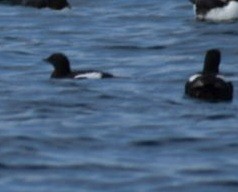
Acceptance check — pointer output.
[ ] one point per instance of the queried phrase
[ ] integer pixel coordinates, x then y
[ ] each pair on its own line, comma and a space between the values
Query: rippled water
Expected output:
133, 133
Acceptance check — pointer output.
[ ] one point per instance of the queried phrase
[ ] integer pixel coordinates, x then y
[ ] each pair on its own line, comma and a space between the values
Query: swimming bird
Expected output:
209, 84
62, 69
215, 10
52, 4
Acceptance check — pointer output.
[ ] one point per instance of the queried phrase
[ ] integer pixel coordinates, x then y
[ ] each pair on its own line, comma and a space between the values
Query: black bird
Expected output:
215, 10
209, 85
52, 4
62, 69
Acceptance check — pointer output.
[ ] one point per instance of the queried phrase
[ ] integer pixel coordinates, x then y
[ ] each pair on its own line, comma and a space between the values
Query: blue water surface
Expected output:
137, 132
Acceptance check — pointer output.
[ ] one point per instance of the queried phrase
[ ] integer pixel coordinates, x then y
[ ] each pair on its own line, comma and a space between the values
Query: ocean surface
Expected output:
134, 133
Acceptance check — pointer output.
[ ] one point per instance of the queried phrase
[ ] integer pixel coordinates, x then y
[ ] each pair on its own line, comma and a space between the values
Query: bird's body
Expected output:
209, 85
62, 69
52, 4
215, 10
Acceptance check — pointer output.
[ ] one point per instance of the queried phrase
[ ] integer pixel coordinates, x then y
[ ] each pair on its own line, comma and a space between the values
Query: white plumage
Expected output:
89, 75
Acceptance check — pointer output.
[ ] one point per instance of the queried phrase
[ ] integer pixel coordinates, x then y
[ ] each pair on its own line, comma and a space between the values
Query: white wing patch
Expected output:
228, 12
221, 77
89, 75
192, 78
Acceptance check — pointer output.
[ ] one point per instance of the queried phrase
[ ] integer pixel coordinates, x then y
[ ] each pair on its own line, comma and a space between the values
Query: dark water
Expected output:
136, 133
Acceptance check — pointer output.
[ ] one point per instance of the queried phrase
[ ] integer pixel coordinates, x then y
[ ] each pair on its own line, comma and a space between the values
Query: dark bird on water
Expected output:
52, 4
209, 84
215, 10
62, 69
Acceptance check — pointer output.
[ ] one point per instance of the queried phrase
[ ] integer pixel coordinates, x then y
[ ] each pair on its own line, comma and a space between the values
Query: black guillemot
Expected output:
62, 69
215, 10
52, 4
209, 85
